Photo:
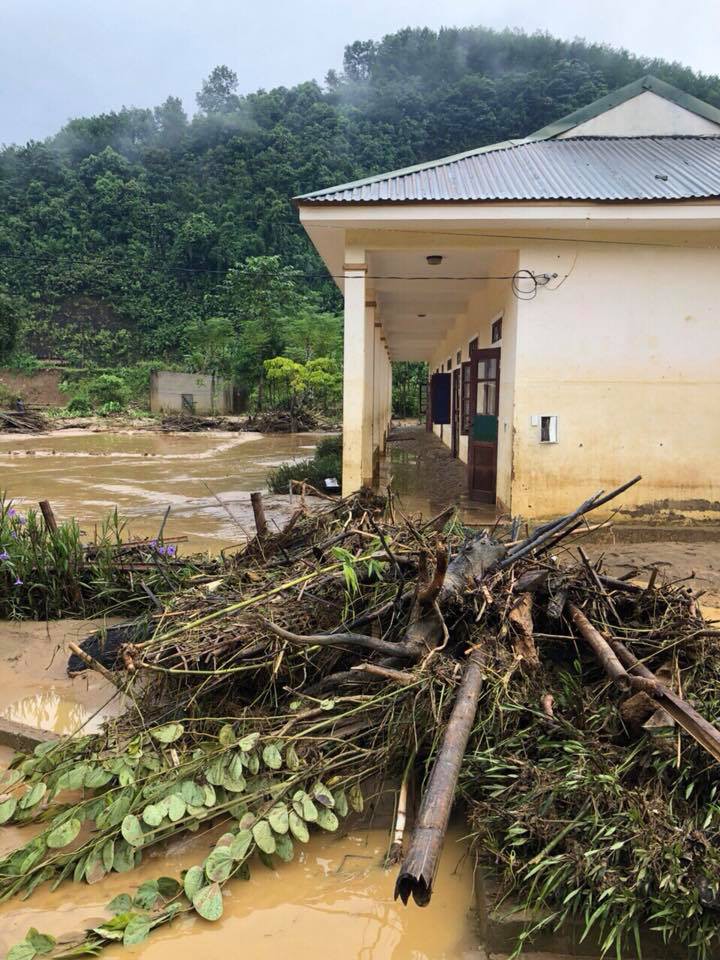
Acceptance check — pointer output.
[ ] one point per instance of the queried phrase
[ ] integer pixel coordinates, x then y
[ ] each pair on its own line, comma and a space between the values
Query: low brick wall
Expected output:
41, 388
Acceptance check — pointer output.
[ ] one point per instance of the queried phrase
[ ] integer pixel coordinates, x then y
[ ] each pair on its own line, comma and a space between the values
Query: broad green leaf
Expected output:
7, 808
253, 762
42, 942
355, 798
226, 736
192, 793
168, 887
284, 847
272, 757
120, 904
219, 864
79, 871
96, 777
118, 809
248, 742
132, 831
298, 828
153, 815
176, 808
323, 795
95, 868
108, 854
278, 818
168, 733
136, 931
208, 902
341, 804
292, 761
21, 951
235, 767
33, 796
146, 895
9, 778
234, 786
327, 819
216, 771
263, 836
304, 807
124, 858
72, 779
192, 881
241, 844
210, 798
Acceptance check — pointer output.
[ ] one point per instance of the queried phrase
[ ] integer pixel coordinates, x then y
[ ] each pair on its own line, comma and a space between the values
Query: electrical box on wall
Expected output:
548, 429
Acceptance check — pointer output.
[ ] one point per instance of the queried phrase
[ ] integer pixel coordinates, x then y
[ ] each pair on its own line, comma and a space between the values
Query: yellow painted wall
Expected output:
626, 352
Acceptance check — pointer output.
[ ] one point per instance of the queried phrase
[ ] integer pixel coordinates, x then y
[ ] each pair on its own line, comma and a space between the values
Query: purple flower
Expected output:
21, 520
4, 555
18, 582
13, 535
171, 550
11, 511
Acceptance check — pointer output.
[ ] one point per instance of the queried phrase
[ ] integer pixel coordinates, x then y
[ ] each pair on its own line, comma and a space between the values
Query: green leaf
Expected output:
9, 778
248, 742
64, 834
355, 798
219, 864
192, 793
132, 831
292, 761
146, 895
327, 819
304, 807
153, 815
108, 854
240, 844
341, 804
284, 848
72, 779
21, 951
122, 903
96, 777
176, 808
7, 808
42, 942
234, 786
210, 798
193, 881
95, 868
216, 771
263, 836
124, 857
136, 931
168, 887
226, 735
253, 763
272, 757
278, 818
168, 733
33, 796
323, 795
298, 828
208, 902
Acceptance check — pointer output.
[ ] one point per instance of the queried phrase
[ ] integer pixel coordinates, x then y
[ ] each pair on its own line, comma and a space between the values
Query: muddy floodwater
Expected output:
206, 479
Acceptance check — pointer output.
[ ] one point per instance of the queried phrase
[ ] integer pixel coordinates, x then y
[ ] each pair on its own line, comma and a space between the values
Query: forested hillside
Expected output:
124, 232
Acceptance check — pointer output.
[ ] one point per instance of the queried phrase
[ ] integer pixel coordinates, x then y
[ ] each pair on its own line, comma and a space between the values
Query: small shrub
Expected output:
110, 409
80, 406
107, 388
327, 462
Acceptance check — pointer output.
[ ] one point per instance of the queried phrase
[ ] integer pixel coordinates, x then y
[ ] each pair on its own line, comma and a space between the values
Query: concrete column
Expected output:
367, 437
378, 349
356, 413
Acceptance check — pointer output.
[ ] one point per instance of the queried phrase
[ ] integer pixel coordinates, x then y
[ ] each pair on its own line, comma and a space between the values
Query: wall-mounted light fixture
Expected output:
421, 315
434, 259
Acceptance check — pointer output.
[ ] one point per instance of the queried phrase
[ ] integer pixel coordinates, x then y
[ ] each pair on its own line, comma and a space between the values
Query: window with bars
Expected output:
496, 330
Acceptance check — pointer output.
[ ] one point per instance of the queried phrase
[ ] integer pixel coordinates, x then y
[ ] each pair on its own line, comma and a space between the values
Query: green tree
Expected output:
13, 312
217, 94
212, 344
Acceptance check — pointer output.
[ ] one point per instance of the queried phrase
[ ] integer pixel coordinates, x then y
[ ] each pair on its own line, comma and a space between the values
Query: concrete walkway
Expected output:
427, 479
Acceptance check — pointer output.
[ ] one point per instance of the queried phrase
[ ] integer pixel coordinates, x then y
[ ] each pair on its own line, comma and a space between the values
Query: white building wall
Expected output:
646, 115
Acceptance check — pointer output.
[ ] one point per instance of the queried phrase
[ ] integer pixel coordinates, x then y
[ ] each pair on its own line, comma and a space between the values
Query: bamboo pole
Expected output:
48, 516
259, 514
419, 866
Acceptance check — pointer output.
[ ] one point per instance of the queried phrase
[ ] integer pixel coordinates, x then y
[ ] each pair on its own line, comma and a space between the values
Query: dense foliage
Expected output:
127, 235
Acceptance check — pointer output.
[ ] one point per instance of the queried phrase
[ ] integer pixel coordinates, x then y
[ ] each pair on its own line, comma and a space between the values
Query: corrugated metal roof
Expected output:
582, 168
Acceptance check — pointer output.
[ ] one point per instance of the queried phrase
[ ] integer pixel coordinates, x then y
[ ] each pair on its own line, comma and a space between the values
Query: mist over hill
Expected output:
121, 229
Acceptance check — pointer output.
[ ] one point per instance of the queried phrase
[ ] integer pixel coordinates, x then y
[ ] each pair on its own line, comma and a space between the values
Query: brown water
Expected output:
205, 478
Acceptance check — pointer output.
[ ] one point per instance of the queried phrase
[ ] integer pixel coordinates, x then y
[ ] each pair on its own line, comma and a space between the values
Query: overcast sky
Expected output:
78, 57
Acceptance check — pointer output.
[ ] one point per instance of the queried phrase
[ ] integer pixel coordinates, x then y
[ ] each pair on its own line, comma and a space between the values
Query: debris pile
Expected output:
359, 647
283, 419
189, 423
22, 421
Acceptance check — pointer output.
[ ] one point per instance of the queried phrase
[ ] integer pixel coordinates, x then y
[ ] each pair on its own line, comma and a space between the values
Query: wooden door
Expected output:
483, 434
456, 413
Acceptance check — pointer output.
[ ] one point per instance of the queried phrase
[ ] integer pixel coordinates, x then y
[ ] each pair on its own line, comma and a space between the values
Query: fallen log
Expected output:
419, 866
